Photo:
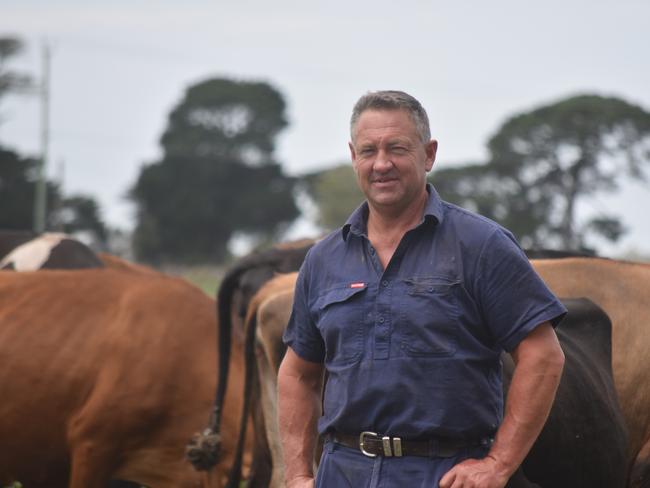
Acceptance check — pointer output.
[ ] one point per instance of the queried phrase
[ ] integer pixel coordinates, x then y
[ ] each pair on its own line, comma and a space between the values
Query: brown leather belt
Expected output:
372, 445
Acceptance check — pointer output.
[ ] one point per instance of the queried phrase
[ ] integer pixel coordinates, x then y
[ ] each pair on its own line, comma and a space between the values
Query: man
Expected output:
407, 308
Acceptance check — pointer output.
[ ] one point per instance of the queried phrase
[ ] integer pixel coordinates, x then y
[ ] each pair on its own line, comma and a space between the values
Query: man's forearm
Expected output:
298, 411
530, 397
539, 361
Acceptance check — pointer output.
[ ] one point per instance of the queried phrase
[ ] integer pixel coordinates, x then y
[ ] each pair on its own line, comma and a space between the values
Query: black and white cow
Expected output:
26, 251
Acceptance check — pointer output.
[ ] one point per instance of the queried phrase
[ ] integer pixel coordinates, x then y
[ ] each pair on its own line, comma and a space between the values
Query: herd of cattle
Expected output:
113, 374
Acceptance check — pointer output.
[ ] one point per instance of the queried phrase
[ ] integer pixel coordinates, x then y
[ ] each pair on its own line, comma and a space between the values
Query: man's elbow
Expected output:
556, 359
550, 359
295, 369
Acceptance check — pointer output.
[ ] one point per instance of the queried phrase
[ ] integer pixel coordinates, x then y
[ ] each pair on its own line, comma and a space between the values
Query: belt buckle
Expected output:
362, 437
386, 441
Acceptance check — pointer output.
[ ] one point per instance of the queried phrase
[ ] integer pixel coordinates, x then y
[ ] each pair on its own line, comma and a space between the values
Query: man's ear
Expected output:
353, 156
431, 148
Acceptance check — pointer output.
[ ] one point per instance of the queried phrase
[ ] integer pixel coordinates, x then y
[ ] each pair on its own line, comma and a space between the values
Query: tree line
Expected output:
218, 175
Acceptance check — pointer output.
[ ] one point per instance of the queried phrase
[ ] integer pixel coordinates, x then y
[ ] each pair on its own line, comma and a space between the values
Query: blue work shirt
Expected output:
414, 350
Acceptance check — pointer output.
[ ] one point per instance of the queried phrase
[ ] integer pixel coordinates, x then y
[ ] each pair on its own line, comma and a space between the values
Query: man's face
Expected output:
389, 158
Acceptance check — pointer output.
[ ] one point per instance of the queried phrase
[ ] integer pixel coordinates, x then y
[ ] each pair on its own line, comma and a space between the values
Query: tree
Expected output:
544, 161
73, 214
17, 190
9, 79
217, 175
80, 214
335, 193
221, 118
478, 187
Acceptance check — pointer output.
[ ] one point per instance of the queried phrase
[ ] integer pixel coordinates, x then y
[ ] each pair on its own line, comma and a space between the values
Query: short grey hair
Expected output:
393, 100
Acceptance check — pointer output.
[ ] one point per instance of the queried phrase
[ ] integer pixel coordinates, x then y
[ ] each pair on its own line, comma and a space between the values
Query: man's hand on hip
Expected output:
473, 473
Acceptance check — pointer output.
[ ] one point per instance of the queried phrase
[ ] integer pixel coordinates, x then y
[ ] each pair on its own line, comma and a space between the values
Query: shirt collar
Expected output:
357, 222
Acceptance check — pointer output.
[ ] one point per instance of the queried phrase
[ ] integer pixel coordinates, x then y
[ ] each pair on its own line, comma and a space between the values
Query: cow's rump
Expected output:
105, 375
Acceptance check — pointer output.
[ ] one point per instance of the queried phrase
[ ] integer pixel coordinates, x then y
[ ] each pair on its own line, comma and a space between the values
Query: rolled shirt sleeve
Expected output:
513, 298
301, 334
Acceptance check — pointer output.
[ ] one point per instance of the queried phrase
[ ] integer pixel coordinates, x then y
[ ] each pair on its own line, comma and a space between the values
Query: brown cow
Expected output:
105, 375
270, 308
584, 442
622, 289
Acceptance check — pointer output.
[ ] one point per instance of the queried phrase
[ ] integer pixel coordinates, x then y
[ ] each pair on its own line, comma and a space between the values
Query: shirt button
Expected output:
384, 283
381, 320
372, 250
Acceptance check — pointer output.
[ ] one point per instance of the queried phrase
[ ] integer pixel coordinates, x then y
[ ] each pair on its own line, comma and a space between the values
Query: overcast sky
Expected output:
118, 68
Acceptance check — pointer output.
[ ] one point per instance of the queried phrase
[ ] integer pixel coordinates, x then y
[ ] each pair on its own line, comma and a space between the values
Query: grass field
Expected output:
206, 277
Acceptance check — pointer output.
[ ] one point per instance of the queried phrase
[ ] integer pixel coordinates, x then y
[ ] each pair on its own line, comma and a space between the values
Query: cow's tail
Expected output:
204, 448
225, 295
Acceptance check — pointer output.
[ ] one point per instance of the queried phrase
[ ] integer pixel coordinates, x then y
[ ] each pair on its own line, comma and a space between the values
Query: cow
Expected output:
622, 290
584, 441
25, 251
263, 352
237, 287
106, 373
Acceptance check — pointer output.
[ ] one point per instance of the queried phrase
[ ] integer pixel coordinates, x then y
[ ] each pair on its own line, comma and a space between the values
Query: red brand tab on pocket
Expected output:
357, 285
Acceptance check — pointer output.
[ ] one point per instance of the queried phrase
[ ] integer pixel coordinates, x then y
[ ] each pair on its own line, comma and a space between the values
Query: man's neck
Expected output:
389, 220
386, 228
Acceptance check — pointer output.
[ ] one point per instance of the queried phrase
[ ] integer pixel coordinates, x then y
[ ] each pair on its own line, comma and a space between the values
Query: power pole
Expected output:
40, 194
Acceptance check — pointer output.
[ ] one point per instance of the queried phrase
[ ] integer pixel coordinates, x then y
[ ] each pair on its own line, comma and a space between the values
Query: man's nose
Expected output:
382, 162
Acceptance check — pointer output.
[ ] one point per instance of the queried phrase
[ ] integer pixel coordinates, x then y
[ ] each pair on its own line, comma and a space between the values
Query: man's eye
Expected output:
399, 149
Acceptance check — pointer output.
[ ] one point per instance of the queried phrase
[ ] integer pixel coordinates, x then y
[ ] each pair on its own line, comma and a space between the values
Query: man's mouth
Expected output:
384, 179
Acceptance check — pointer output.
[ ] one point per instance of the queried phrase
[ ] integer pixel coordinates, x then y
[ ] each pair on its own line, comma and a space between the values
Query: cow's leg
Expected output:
96, 434
640, 473
95, 439
89, 465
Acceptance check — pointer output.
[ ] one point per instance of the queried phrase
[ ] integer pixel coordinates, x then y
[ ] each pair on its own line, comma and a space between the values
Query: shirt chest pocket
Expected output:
340, 321
429, 317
